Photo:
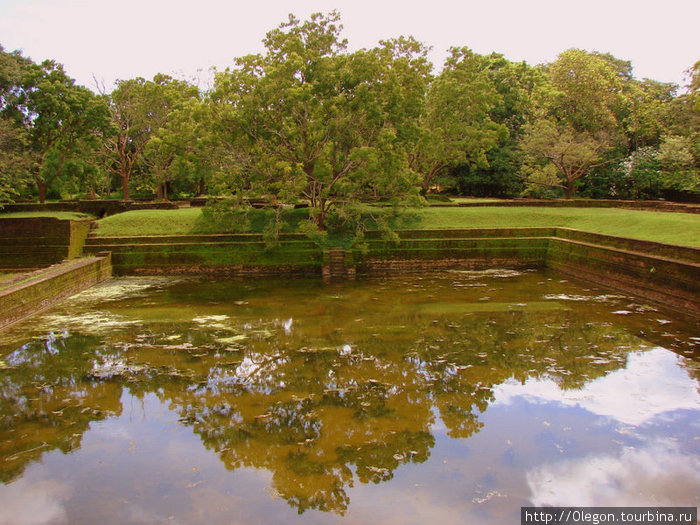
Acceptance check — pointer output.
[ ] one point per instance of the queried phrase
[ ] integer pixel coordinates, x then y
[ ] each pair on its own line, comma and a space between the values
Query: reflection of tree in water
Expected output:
47, 401
321, 417
318, 413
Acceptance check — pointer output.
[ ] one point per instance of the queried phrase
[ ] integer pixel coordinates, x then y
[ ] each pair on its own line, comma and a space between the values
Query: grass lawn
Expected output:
672, 228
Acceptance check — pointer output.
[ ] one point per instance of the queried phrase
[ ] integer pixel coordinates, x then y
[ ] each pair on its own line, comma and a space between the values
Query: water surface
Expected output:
455, 397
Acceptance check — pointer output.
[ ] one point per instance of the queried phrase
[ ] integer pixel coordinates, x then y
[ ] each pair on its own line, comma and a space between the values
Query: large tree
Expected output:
307, 119
557, 156
15, 159
577, 121
456, 126
60, 122
139, 108
515, 83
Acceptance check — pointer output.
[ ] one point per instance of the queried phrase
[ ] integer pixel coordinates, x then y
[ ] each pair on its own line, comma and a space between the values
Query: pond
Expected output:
453, 397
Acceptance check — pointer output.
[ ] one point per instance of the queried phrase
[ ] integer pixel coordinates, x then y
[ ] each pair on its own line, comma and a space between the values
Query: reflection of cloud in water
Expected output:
657, 474
495, 273
33, 503
122, 288
652, 383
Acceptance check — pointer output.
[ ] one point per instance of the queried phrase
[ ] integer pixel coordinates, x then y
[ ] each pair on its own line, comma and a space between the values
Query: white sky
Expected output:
127, 38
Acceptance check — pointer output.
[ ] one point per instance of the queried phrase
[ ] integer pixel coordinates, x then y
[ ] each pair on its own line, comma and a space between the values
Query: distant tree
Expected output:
557, 155
694, 86
640, 175
15, 159
647, 105
60, 122
516, 84
167, 100
456, 127
139, 108
15, 162
578, 125
680, 168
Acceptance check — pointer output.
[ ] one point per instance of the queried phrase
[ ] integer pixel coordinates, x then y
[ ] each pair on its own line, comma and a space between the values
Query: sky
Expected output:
120, 39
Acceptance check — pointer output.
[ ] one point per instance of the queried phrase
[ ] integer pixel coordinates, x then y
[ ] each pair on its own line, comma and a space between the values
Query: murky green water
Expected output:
455, 397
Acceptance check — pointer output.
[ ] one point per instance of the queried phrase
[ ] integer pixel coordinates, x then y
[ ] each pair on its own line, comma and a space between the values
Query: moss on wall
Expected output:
37, 242
51, 286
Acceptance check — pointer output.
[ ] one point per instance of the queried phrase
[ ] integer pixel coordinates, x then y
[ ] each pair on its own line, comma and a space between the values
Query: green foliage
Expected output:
457, 126
332, 129
556, 155
307, 121
586, 91
49, 127
231, 215
694, 86
641, 178
679, 166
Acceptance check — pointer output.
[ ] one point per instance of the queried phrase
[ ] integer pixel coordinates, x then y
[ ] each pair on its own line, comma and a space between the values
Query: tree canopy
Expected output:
308, 122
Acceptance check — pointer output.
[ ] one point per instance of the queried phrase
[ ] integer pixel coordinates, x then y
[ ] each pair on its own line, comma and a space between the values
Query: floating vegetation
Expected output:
212, 321
122, 288
92, 322
495, 273
485, 306
593, 298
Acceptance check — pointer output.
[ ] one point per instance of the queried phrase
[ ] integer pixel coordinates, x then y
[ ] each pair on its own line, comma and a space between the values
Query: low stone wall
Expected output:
223, 255
49, 286
673, 283
98, 208
37, 242
247, 253
661, 273
415, 255
586, 203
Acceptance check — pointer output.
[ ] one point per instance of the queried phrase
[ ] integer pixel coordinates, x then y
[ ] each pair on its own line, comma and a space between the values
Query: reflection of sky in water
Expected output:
34, 502
631, 477
631, 437
652, 383
651, 392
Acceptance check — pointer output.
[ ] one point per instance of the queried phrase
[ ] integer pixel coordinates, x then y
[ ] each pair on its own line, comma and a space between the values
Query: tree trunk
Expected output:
41, 186
570, 188
125, 186
202, 188
321, 217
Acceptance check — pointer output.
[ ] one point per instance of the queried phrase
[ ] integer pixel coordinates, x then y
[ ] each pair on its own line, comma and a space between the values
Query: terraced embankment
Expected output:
661, 273
37, 242
36, 291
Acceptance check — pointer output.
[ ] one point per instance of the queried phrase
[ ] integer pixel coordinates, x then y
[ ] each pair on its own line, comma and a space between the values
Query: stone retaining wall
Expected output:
586, 203
49, 286
662, 273
37, 242
98, 208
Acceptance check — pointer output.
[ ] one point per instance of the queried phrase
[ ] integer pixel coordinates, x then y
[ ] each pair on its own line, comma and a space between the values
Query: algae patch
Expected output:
486, 306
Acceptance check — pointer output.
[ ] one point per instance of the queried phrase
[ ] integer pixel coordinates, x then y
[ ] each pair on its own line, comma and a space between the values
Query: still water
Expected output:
453, 397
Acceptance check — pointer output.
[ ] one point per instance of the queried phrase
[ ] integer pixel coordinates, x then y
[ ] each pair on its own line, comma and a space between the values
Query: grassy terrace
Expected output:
672, 228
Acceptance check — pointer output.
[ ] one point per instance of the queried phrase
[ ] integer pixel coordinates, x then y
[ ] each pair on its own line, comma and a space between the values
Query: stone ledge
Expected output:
48, 287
